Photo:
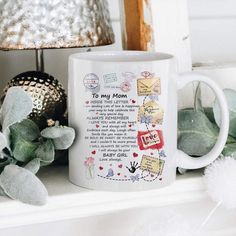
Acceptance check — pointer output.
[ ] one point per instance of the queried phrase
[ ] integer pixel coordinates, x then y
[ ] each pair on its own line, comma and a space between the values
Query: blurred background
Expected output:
212, 32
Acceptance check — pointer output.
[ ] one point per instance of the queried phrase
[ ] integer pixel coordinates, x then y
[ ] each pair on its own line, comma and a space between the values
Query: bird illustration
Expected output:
110, 173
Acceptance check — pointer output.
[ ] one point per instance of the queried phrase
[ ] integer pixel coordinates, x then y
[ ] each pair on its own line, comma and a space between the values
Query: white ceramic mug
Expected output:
123, 106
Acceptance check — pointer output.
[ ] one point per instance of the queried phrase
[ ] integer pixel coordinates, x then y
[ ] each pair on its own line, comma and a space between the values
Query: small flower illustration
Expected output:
125, 86
89, 161
89, 164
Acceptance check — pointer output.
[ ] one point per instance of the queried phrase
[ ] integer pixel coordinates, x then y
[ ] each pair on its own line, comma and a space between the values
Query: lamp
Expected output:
46, 24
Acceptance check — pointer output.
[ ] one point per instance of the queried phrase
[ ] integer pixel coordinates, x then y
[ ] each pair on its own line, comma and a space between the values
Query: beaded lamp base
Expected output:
48, 95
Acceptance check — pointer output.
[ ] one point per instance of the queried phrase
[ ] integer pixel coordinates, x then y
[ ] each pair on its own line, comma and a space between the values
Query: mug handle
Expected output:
184, 160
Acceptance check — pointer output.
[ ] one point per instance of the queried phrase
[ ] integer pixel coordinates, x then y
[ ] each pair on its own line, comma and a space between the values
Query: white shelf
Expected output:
67, 201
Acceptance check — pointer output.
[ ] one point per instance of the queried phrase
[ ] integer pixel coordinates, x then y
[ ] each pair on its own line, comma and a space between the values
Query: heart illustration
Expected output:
100, 168
97, 126
130, 125
120, 166
94, 152
160, 179
153, 126
135, 154
133, 101
118, 174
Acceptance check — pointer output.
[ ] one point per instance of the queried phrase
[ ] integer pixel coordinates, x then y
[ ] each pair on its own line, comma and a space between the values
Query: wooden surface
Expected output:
137, 25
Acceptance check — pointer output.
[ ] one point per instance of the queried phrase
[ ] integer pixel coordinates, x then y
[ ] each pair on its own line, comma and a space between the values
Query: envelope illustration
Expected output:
152, 164
151, 86
151, 113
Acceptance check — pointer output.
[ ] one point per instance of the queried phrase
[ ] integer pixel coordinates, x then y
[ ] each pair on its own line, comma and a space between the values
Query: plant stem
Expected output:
90, 172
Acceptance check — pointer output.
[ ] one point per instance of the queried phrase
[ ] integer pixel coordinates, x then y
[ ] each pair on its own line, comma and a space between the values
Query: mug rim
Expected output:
121, 56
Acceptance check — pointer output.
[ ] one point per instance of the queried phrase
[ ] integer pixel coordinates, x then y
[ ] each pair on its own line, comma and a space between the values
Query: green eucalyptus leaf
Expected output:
62, 136
2, 193
230, 95
6, 161
16, 106
45, 152
27, 129
21, 184
33, 165
210, 114
3, 141
230, 150
196, 134
230, 139
197, 99
22, 149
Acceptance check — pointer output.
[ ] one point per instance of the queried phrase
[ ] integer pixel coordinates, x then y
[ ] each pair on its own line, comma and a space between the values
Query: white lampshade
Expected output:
35, 24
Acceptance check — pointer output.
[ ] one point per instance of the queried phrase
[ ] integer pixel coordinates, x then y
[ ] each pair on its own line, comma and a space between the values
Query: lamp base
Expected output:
48, 95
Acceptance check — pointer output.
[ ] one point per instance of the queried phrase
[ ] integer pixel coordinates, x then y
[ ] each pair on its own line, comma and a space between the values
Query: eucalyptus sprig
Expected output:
24, 149
198, 129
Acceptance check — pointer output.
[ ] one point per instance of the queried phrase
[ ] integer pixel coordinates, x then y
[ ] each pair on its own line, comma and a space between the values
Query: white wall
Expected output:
171, 30
212, 31
213, 42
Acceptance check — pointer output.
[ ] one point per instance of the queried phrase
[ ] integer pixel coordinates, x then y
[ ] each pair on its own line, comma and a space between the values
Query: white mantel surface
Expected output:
67, 201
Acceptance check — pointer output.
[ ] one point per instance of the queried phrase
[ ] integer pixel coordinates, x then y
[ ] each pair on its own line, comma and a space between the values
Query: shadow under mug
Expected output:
123, 106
